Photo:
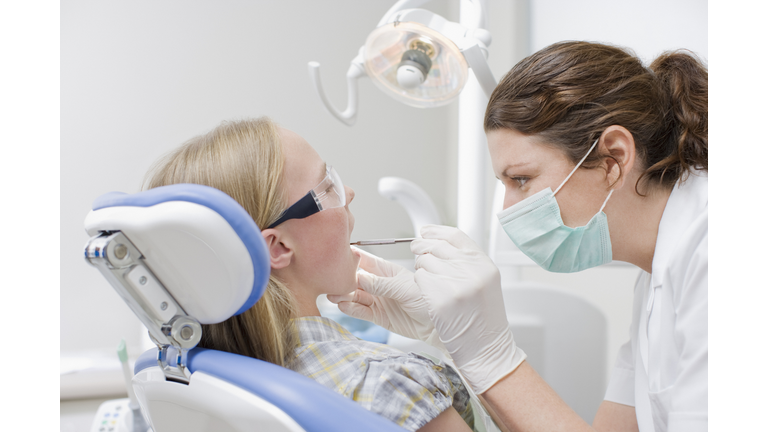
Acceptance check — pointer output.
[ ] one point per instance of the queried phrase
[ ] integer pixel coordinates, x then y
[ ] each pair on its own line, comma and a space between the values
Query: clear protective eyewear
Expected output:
328, 194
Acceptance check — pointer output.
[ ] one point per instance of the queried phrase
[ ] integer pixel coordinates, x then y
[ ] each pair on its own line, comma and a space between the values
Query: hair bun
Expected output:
684, 79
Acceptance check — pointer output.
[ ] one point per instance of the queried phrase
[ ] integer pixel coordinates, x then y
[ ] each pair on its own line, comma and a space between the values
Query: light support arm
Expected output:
472, 146
477, 62
478, 20
355, 71
400, 5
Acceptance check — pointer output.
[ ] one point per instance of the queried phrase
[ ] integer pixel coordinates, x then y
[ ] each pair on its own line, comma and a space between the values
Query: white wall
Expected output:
648, 27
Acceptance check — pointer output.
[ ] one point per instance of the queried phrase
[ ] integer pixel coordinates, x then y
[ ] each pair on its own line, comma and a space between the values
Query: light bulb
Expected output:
409, 76
413, 69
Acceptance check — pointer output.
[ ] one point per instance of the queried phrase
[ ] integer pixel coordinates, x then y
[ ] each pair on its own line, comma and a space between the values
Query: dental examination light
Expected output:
423, 60
418, 58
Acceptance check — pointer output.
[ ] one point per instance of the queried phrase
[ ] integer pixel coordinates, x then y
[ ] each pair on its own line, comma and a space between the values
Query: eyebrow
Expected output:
509, 167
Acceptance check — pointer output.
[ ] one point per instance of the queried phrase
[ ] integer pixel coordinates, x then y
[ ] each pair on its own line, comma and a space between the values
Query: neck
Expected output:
306, 302
306, 306
633, 221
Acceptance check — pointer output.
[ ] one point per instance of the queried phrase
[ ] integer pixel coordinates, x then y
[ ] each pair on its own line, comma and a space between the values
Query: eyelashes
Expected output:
521, 181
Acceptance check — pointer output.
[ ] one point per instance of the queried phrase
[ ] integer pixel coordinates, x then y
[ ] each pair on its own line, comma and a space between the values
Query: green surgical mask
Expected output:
537, 229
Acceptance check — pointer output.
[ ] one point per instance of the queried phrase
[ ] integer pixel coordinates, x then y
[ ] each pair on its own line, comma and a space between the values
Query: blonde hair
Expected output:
244, 159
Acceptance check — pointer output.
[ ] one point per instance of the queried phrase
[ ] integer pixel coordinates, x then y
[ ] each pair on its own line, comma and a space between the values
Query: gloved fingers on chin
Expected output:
362, 297
356, 310
437, 247
452, 235
373, 285
336, 298
356, 296
380, 267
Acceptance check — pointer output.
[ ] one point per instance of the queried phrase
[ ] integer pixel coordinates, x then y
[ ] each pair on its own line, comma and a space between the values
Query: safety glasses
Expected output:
327, 195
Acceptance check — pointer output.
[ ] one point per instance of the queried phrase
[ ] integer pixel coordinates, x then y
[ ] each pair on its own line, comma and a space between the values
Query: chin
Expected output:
344, 280
351, 283
352, 280
341, 284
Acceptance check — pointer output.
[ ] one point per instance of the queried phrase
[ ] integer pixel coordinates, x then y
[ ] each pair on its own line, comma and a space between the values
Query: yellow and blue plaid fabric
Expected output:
408, 389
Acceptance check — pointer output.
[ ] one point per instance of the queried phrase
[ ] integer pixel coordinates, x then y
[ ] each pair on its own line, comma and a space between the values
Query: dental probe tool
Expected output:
382, 242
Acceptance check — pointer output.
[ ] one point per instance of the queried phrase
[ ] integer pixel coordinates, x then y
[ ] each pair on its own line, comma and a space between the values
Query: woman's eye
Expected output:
521, 181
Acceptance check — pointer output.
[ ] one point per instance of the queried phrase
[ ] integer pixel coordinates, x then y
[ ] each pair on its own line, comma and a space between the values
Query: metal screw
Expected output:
186, 332
121, 251
163, 306
143, 280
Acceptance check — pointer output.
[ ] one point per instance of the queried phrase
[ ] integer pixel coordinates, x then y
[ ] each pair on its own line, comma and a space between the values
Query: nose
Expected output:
350, 194
509, 198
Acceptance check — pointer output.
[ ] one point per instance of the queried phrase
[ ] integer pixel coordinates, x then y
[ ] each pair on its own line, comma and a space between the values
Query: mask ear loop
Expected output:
606, 201
577, 167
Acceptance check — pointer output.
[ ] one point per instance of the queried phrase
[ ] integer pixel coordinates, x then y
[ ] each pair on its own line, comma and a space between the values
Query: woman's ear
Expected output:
618, 146
280, 255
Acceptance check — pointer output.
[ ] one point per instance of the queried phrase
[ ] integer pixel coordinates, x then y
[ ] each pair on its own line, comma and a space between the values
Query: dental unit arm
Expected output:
432, 38
185, 255
356, 71
416, 202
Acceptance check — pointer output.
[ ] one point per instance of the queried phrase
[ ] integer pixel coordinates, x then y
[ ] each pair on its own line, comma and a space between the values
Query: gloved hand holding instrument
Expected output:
453, 302
462, 289
388, 296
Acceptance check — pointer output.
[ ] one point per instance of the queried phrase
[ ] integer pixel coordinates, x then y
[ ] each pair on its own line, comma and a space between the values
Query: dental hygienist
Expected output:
602, 159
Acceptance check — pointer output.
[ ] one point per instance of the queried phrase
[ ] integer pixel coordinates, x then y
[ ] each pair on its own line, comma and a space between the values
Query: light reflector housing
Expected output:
383, 55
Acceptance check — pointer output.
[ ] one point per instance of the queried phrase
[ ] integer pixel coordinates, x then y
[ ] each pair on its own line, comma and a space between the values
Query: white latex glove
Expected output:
462, 288
388, 296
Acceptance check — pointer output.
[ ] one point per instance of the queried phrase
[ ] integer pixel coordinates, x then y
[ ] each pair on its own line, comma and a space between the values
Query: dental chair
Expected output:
185, 255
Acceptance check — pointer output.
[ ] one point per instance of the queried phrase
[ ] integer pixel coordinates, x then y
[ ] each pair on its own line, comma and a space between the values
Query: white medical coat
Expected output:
662, 370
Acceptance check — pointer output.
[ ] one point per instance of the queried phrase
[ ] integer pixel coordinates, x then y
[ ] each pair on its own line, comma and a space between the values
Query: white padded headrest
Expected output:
192, 249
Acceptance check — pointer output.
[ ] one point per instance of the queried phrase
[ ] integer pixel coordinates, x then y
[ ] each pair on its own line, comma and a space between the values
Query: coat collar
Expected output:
686, 203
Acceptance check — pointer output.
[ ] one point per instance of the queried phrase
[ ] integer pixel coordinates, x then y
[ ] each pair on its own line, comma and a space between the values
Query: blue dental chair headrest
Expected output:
196, 228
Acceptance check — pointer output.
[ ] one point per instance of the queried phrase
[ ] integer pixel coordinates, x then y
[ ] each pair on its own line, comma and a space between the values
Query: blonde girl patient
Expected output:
267, 169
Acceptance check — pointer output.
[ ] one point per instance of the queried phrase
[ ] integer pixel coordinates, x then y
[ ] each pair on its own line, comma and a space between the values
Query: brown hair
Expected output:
244, 159
570, 92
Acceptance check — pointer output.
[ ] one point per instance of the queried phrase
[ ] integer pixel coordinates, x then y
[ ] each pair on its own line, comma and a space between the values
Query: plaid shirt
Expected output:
407, 389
